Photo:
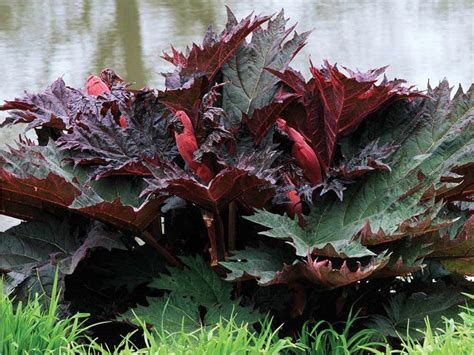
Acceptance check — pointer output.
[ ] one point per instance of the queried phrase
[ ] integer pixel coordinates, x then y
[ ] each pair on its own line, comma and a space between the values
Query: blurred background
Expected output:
41, 40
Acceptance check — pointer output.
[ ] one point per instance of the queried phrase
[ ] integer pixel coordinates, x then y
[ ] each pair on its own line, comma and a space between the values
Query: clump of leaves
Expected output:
334, 185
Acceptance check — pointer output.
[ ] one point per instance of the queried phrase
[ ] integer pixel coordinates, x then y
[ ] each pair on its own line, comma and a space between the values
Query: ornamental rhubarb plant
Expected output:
241, 187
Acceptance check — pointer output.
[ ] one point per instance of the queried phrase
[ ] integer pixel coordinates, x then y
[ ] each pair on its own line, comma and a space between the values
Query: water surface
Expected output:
42, 40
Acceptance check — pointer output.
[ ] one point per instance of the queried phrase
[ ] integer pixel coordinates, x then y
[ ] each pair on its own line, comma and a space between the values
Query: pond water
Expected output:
42, 40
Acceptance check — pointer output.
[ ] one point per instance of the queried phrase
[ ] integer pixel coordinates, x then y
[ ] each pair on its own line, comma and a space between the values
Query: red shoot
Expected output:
187, 145
95, 86
304, 155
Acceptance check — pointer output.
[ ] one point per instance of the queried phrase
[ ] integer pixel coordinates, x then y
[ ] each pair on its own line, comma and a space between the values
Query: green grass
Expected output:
30, 329
323, 338
226, 337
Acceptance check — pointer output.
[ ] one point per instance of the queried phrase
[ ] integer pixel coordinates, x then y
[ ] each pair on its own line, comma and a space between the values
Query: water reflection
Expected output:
41, 40
123, 40
196, 12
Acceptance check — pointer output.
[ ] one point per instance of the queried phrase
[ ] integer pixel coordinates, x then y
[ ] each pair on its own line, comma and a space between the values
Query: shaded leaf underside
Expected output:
32, 251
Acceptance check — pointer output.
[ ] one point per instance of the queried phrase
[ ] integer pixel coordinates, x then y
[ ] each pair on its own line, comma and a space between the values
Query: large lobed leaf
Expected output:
32, 251
50, 108
61, 107
206, 60
110, 149
271, 267
31, 244
35, 178
305, 241
233, 182
406, 314
251, 86
189, 289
